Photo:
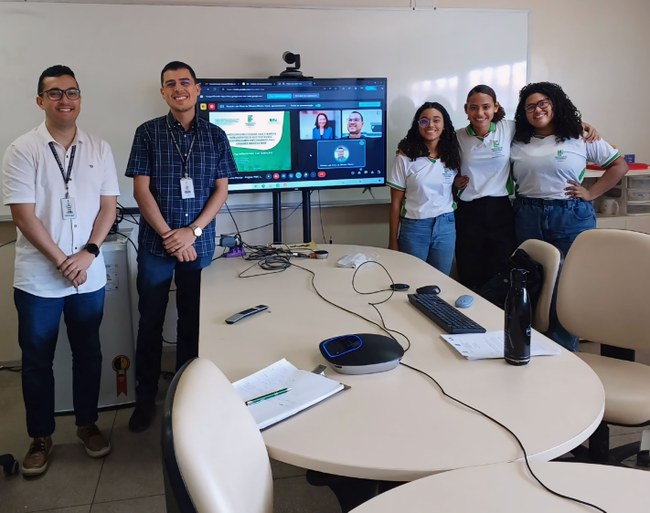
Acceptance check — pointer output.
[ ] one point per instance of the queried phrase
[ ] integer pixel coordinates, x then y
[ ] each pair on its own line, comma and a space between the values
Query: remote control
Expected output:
245, 313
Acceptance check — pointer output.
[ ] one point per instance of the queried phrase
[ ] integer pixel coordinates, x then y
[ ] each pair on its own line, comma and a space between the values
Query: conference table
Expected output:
394, 425
509, 488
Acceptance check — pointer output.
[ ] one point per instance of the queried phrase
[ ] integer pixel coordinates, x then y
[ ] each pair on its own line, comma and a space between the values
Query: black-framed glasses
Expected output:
542, 104
56, 94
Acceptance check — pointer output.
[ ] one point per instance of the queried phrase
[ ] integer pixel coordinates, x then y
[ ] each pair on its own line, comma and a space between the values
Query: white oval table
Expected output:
394, 425
509, 488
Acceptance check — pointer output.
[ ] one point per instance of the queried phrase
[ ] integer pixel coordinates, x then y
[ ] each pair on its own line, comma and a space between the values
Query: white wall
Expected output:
597, 50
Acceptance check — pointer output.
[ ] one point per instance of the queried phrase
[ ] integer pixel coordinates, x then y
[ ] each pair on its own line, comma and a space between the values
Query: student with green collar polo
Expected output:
421, 220
549, 159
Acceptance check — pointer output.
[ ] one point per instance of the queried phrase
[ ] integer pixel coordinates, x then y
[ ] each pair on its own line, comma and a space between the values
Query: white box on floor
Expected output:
116, 335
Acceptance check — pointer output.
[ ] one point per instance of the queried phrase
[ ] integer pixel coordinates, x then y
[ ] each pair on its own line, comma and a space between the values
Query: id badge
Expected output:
68, 208
187, 188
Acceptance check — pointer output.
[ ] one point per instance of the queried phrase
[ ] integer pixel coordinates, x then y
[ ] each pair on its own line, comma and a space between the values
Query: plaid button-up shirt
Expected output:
155, 153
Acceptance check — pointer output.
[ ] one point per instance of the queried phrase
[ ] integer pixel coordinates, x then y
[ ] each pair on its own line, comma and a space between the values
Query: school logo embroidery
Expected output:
496, 147
560, 156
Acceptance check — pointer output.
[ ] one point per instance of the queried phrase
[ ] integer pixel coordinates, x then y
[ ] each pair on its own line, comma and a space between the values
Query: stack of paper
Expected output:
479, 346
304, 390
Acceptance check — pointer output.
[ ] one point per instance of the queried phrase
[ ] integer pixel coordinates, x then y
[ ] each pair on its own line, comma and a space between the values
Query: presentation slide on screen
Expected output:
260, 141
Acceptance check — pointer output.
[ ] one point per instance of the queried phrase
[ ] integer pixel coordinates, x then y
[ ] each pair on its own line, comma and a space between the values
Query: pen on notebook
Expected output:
267, 396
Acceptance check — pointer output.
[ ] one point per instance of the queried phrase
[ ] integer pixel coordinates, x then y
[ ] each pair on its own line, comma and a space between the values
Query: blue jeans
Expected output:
557, 222
432, 240
38, 330
154, 279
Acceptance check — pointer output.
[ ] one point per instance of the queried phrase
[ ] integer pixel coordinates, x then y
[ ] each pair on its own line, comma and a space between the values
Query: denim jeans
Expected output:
432, 240
557, 222
38, 330
154, 279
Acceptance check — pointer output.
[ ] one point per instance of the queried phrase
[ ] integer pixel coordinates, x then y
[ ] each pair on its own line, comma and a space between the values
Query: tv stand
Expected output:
306, 216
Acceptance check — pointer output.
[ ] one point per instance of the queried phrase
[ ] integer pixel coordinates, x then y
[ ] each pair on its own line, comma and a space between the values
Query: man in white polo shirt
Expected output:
61, 185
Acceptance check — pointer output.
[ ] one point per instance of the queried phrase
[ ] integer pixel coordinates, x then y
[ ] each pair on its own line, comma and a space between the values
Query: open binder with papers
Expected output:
480, 346
281, 390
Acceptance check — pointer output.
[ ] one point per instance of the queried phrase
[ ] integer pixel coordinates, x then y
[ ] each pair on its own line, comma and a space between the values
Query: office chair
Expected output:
550, 258
604, 296
214, 458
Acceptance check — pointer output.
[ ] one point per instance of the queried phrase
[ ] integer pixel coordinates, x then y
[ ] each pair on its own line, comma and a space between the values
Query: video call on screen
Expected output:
288, 134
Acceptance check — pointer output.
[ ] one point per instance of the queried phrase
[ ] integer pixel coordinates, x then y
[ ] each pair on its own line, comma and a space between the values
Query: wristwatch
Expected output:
93, 249
196, 230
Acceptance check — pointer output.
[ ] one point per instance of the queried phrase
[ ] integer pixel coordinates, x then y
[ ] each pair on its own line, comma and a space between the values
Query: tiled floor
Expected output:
129, 480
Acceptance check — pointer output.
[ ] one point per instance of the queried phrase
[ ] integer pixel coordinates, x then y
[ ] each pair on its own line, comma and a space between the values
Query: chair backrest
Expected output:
604, 289
550, 258
214, 456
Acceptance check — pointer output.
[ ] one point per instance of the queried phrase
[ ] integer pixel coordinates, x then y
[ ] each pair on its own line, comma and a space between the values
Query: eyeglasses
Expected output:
56, 94
542, 104
425, 123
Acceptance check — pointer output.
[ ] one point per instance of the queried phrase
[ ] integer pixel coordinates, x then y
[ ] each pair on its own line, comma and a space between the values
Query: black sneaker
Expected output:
143, 415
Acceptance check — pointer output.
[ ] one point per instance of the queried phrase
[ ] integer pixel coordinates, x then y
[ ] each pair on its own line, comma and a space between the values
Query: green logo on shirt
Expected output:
496, 147
560, 156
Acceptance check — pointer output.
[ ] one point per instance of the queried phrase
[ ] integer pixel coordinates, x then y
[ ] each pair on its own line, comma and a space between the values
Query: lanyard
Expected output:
184, 158
64, 175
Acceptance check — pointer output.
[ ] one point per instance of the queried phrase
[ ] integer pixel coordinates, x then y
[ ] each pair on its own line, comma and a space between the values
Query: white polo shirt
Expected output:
427, 186
542, 167
486, 160
32, 175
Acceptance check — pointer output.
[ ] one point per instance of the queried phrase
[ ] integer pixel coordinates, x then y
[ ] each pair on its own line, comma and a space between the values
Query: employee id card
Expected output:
68, 208
187, 188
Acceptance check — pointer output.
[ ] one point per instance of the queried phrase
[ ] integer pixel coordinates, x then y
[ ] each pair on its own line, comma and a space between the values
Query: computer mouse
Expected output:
464, 301
428, 289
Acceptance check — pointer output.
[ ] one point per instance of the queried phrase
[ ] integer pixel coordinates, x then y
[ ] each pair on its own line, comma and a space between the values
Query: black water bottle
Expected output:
518, 318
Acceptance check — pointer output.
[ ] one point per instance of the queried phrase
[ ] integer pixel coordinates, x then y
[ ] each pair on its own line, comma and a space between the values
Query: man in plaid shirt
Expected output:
180, 164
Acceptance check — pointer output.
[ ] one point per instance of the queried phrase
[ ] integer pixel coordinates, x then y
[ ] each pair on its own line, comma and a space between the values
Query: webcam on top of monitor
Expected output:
292, 72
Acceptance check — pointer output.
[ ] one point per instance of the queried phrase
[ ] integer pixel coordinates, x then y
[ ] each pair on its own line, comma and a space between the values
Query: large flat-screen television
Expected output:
290, 134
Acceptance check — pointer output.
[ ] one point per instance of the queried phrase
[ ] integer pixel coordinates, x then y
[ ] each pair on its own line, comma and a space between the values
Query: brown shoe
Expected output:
35, 462
96, 444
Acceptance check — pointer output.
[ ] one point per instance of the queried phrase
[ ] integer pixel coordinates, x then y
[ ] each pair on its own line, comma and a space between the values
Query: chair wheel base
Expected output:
350, 492
643, 459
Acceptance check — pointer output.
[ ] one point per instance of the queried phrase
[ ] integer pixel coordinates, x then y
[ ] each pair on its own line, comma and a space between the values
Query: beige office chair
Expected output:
604, 296
550, 258
214, 458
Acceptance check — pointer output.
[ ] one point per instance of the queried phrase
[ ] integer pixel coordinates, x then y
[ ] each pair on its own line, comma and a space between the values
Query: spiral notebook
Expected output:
305, 389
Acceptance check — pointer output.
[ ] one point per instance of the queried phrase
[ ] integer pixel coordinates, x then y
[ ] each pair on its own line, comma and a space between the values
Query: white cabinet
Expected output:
627, 205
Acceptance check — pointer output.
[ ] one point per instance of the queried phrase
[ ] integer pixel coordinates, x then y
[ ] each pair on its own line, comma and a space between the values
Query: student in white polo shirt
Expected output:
485, 234
421, 220
549, 159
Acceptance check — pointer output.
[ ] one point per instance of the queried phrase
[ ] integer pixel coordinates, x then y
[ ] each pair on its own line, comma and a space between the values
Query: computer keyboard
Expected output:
444, 315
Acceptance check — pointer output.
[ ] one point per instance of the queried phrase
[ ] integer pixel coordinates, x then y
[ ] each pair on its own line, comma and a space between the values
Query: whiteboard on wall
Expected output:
117, 52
